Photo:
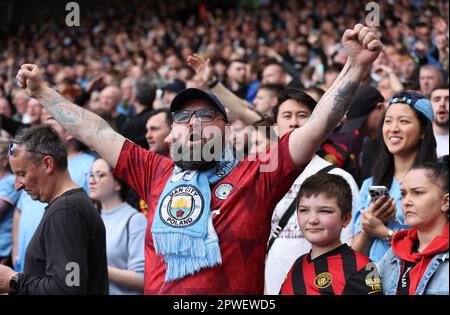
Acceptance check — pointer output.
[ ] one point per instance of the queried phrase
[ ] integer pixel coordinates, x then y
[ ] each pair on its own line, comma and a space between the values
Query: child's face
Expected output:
320, 219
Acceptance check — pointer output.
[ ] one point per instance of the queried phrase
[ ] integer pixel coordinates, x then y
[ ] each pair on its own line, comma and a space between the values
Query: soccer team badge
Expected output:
182, 207
223, 191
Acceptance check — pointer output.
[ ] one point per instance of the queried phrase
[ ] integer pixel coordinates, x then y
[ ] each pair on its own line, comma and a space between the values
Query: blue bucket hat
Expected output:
416, 100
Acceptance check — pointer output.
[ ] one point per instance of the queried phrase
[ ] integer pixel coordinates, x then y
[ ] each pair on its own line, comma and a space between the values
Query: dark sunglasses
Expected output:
203, 115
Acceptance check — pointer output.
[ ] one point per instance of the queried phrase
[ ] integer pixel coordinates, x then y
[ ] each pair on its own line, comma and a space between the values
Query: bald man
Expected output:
20, 101
110, 97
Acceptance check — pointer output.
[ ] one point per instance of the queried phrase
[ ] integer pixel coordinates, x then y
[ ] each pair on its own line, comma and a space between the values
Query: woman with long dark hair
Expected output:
405, 139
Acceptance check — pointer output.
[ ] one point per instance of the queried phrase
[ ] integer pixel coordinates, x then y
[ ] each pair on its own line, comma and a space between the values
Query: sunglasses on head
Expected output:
11, 148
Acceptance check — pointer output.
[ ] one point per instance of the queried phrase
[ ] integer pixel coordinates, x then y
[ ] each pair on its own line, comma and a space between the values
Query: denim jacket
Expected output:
435, 280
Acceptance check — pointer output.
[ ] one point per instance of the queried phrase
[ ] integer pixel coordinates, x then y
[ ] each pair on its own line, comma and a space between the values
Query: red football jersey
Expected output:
242, 204
341, 271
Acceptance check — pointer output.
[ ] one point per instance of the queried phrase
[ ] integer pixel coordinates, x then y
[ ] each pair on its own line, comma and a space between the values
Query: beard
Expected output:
194, 157
196, 165
441, 122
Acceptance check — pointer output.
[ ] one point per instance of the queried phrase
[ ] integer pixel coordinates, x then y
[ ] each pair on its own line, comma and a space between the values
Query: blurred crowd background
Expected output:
121, 41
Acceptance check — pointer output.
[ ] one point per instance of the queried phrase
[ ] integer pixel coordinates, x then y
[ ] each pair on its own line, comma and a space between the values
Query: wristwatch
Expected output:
388, 237
213, 83
14, 284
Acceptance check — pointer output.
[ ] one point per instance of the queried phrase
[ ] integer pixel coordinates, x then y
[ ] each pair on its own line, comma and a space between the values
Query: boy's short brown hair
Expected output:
332, 186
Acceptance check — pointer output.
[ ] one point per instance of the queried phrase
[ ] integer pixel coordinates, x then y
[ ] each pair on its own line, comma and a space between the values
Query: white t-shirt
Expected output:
291, 244
442, 145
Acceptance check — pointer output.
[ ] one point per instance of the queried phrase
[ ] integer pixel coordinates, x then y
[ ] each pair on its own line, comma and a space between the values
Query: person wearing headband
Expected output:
405, 139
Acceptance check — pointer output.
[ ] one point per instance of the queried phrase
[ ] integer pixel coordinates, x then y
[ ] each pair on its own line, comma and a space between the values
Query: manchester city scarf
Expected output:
182, 229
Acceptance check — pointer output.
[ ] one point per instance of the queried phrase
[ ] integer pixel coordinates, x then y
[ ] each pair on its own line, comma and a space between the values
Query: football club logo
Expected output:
323, 280
223, 191
182, 207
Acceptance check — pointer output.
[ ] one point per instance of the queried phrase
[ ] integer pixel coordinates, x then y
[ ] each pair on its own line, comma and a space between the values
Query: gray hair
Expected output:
144, 91
43, 140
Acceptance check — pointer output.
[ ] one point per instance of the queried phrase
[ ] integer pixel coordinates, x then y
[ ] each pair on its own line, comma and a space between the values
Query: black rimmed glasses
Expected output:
203, 115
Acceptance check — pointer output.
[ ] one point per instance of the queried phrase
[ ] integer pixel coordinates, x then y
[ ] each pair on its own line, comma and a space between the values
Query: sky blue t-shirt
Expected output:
32, 211
125, 242
79, 167
10, 195
379, 247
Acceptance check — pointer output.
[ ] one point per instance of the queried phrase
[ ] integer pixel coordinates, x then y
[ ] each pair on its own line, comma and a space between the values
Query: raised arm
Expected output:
238, 107
84, 125
287, 66
362, 47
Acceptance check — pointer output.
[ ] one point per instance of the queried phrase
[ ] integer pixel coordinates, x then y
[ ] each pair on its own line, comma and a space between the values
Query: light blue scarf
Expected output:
182, 228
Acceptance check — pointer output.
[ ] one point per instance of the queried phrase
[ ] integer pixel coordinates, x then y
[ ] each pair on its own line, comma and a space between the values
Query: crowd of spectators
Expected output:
134, 39
127, 62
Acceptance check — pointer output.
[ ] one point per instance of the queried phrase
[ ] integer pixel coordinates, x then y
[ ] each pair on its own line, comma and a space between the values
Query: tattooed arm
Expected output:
362, 48
79, 122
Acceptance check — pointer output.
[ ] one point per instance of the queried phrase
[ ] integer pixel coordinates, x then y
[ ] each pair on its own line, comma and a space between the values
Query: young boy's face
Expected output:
320, 219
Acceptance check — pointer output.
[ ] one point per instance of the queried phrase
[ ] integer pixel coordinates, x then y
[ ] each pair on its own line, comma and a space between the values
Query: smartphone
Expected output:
376, 192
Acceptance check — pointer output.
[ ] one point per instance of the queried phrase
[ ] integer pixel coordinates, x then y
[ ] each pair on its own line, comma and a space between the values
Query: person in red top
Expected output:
417, 263
330, 268
209, 220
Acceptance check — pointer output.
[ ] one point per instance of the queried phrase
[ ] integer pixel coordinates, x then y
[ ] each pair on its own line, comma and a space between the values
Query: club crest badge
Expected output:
223, 191
323, 280
182, 207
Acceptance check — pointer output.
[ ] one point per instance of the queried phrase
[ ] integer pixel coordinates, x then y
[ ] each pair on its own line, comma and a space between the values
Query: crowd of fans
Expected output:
128, 61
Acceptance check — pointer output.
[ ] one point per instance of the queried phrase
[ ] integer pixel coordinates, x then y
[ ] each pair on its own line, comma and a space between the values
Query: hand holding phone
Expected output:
382, 205
376, 192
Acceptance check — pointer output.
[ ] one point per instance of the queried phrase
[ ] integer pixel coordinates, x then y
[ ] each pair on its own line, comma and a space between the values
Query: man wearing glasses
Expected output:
209, 215
67, 254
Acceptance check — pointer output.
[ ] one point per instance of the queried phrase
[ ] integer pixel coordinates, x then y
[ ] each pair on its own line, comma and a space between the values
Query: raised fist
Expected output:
30, 79
361, 45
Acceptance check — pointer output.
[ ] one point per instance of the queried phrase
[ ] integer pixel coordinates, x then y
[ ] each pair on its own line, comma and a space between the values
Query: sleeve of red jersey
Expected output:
287, 288
140, 168
277, 171
366, 281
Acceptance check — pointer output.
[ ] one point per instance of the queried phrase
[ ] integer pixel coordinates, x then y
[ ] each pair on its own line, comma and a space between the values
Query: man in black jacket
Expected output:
144, 93
67, 254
